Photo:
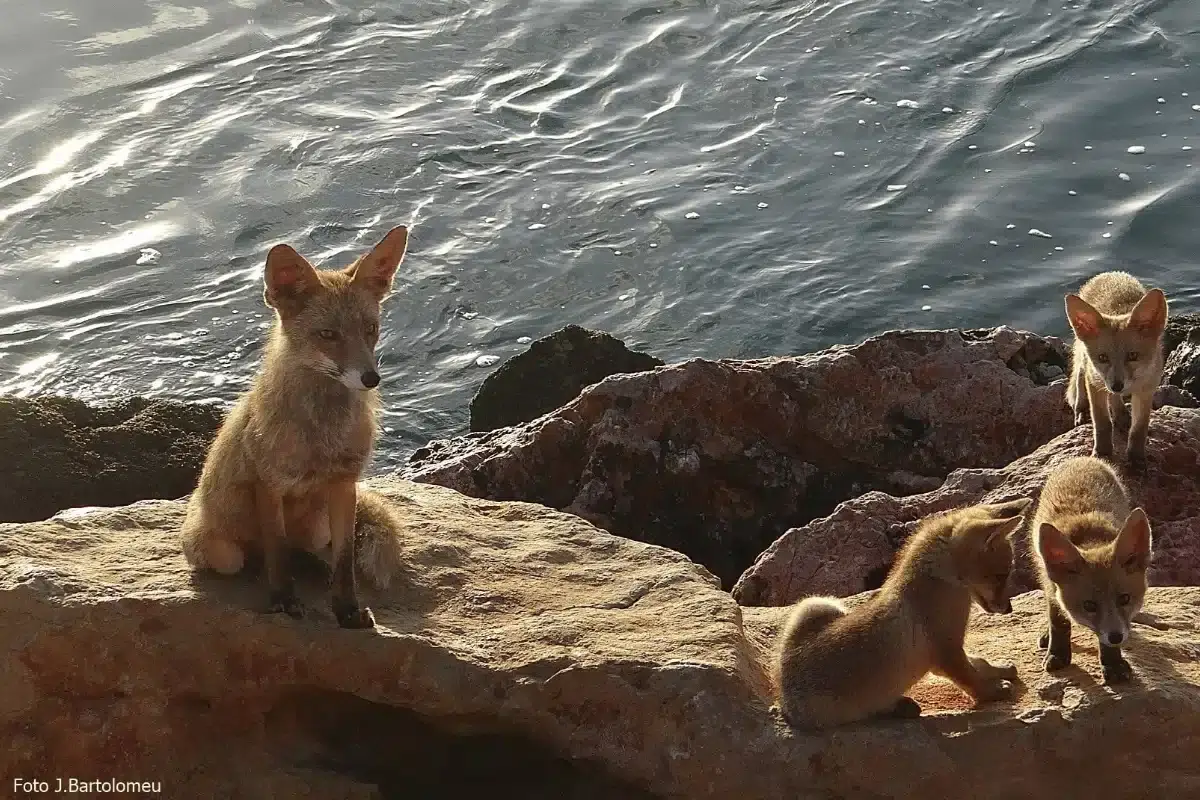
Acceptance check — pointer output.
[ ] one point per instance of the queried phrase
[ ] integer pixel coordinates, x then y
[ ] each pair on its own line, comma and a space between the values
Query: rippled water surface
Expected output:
702, 179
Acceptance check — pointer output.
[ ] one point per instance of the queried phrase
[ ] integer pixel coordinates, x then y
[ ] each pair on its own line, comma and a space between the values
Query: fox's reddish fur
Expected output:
836, 666
1118, 325
284, 468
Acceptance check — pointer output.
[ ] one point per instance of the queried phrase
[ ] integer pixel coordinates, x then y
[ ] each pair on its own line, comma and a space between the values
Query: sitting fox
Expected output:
285, 465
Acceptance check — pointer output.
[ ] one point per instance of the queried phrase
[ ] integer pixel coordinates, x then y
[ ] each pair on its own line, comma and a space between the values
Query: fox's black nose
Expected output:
1116, 637
370, 379
1118, 386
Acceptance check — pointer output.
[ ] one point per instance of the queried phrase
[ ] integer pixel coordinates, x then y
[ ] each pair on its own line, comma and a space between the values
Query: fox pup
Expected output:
1091, 553
284, 467
1118, 327
836, 666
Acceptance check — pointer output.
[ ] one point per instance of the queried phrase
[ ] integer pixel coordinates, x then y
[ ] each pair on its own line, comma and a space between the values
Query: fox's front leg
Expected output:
974, 675
1102, 428
272, 527
1139, 427
343, 498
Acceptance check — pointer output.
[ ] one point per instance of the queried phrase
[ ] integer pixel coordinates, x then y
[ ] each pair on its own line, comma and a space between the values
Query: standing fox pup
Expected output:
284, 467
1118, 327
1091, 554
836, 666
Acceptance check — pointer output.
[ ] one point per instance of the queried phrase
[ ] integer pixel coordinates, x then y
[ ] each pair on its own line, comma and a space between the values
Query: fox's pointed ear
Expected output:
376, 269
1085, 320
993, 530
1008, 509
1150, 313
288, 279
1132, 547
1057, 551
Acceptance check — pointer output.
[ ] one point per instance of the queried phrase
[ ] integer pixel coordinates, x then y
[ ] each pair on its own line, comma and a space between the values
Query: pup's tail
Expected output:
812, 615
376, 538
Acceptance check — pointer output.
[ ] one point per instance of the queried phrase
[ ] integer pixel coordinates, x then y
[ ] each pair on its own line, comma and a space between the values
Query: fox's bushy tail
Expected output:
811, 615
376, 539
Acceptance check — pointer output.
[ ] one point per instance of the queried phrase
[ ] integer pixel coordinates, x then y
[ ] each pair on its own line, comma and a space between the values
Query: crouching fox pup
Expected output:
836, 666
284, 467
1091, 553
1118, 327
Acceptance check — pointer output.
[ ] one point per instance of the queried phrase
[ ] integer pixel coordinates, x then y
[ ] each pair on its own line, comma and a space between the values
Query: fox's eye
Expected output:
1102, 358
327, 334
1131, 356
1123, 599
1090, 606
371, 329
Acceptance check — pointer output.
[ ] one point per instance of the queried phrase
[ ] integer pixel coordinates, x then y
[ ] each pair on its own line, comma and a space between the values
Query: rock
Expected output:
527, 654
717, 458
61, 452
852, 549
551, 373
1182, 342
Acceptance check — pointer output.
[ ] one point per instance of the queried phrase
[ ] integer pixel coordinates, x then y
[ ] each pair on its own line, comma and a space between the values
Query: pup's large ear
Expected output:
1132, 547
1150, 313
1085, 320
376, 269
288, 280
1057, 551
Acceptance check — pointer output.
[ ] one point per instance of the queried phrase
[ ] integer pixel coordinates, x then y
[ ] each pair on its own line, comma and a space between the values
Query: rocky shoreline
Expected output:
593, 588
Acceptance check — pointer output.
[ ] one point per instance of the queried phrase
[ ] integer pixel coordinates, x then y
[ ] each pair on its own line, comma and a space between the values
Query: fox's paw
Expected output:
286, 602
354, 617
1005, 670
995, 689
1136, 459
1117, 671
1056, 661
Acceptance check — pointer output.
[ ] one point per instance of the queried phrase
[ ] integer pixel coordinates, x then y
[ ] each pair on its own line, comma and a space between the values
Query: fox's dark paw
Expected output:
1136, 459
1082, 417
1056, 661
905, 708
998, 689
287, 603
1005, 670
354, 617
1117, 671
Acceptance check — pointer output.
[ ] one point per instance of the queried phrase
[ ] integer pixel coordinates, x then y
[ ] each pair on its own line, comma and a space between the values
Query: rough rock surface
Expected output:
852, 549
1182, 343
551, 373
60, 452
717, 458
524, 654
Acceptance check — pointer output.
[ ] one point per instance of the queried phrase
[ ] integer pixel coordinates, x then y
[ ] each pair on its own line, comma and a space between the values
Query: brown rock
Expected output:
63, 453
551, 373
852, 549
1182, 343
524, 654
717, 458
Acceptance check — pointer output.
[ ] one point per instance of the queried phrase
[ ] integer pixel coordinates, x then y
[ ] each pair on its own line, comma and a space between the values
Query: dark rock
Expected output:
62, 453
716, 459
551, 373
1182, 343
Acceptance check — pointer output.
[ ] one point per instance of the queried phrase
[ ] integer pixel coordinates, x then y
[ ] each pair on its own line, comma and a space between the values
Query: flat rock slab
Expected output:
523, 651
851, 549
